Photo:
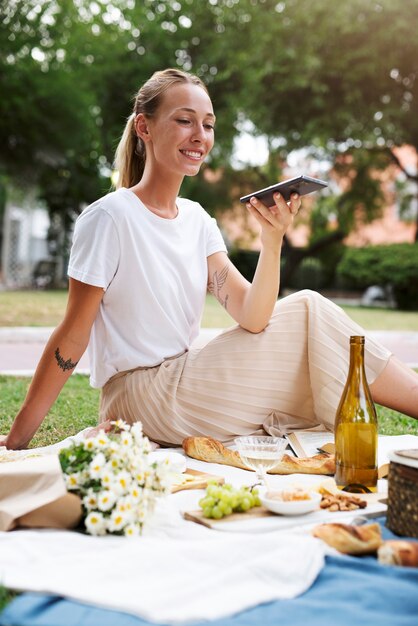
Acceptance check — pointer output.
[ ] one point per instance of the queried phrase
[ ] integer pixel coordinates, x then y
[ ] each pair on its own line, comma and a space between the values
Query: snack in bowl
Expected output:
295, 501
334, 500
291, 495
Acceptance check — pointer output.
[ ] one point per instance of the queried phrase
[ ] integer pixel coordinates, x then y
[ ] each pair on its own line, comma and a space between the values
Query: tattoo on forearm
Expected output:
215, 285
62, 363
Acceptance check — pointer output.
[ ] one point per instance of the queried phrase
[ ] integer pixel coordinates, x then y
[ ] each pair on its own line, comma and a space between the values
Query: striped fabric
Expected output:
289, 376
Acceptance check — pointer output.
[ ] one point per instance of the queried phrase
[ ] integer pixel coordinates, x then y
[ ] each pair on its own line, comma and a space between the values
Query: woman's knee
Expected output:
306, 298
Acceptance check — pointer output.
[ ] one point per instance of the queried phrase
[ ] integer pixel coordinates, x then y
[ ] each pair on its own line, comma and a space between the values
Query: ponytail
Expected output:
129, 156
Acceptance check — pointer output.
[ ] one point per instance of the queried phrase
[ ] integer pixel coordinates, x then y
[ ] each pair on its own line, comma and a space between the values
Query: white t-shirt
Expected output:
154, 273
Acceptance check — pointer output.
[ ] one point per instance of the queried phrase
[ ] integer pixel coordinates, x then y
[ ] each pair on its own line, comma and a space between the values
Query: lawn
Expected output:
46, 308
77, 405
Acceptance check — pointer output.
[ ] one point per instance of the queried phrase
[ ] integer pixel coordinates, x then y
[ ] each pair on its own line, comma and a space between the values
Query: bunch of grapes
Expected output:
222, 500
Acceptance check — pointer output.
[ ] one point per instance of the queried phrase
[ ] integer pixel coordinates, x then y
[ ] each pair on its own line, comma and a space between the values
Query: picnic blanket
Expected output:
349, 590
176, 573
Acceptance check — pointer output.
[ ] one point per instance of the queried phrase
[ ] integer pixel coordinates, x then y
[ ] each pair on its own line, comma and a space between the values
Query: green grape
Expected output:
222, 500
207, 502
217, 512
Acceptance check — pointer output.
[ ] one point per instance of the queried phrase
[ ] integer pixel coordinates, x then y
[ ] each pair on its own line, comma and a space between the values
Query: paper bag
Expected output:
33, 494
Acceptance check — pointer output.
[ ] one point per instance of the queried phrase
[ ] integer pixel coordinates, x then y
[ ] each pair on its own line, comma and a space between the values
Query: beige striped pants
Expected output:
288, 377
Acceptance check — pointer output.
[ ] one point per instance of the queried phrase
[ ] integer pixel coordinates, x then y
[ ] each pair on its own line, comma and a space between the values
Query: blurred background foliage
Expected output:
336, 79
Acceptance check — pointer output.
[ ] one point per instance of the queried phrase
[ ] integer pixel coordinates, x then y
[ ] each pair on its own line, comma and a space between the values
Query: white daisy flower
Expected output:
132, 530
122, 481
95, 523
115, 462
105, 500
89, 444
90, 500
121, 424
97, 465
136, 431
135, 493
126, 439
101, 440
117, 520
107, 476
72, 481
113, 447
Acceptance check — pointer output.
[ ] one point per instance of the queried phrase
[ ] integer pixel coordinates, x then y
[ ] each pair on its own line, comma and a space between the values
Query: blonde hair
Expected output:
130, 153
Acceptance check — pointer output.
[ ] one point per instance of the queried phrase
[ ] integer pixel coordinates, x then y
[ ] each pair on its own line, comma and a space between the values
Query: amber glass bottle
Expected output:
356, 428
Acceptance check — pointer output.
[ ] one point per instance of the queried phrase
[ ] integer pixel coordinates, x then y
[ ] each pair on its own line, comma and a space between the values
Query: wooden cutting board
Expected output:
255, 512
193, 479
260, 511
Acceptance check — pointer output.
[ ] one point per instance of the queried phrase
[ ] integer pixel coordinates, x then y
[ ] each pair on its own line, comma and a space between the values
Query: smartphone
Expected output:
300, 184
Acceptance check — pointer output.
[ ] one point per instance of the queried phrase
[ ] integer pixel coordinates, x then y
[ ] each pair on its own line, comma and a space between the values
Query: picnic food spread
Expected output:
213, 451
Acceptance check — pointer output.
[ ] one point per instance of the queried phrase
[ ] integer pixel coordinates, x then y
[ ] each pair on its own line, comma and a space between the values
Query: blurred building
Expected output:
25, 231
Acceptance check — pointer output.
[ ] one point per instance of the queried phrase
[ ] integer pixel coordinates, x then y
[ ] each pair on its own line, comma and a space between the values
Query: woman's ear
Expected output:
141, 127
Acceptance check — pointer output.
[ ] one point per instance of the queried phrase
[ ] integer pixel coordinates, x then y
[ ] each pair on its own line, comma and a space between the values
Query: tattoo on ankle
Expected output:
62, 363
215, 285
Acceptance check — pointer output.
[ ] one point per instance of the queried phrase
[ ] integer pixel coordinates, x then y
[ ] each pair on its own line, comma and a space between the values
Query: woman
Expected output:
141, 263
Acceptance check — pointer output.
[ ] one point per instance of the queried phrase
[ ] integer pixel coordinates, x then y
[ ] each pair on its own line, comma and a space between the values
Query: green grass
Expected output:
383, 319
77, 405
32, 308
46, 308
77, 408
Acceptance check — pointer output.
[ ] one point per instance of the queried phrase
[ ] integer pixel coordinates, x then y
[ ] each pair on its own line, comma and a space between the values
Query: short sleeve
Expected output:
215, 241
95, 252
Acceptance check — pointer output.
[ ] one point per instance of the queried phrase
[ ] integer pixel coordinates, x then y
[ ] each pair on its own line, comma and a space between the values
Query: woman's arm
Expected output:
251, 304
62, 353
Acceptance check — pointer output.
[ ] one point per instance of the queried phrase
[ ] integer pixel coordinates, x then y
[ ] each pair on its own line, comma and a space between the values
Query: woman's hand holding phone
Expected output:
274, 220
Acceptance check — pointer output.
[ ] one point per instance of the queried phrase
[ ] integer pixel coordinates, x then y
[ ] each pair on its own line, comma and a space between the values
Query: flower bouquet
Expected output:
115, 478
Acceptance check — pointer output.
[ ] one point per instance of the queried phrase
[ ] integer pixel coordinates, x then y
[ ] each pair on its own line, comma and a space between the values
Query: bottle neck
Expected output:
356, 367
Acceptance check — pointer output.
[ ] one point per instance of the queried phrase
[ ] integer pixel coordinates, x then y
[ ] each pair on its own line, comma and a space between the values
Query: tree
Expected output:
341, 82
337, 80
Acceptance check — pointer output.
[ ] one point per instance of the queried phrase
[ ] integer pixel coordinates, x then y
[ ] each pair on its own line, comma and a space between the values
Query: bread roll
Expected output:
350, 539
398, 552
213, 451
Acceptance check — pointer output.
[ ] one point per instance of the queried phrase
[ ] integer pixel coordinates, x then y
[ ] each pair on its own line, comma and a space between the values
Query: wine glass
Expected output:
260, 453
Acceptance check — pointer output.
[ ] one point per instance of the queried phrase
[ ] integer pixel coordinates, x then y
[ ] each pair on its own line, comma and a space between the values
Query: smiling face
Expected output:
181, 134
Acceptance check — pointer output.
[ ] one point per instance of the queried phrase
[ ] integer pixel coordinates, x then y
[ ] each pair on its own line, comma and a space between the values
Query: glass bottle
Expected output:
356, 428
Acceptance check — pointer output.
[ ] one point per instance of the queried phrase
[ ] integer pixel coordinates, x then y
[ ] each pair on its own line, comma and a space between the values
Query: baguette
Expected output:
213, 451
350, 539
398, 552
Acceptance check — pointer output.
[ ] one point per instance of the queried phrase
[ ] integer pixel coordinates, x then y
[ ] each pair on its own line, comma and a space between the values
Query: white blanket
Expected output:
175, 573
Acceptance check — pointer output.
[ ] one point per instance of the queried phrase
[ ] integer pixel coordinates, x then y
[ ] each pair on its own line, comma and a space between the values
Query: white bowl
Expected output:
291, 507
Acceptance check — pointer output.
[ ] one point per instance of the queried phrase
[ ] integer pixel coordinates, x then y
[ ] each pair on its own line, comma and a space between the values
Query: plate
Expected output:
291, 507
